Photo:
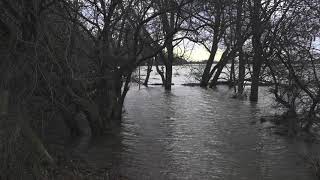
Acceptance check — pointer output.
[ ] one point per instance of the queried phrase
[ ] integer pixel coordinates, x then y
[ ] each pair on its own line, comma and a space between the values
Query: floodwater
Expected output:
193, 133
183, 74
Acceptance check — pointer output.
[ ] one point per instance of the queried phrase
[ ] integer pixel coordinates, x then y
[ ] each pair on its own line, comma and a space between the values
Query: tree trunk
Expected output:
149, 70
160, 72
216, 76
221, 64
255, 77
292, 122
206, 76
311, 116
232, 74
257, 48
11, 93
168, 65
242, 73
168, 79
92, 112
80, 103
68, 114
117, 104
242, 70
35, 142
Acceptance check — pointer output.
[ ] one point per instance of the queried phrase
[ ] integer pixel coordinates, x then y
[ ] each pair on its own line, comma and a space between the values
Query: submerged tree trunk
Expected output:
216, 76
149, 70
232, 79
255, 77
168, 64
207, 73
169, 28
221, 64
116, 106
168, 79
292, 122
160, 71
242, 73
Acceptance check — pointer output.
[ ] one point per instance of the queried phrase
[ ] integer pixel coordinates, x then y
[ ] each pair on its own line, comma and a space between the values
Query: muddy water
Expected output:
192, 133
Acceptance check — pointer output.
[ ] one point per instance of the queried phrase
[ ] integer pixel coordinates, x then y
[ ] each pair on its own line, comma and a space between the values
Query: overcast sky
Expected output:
194, 52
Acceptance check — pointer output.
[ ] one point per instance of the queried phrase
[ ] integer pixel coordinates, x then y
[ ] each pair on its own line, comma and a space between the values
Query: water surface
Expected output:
192, 133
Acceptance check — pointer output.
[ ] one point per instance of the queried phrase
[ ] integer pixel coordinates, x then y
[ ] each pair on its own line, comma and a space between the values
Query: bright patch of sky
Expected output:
316, 44
194, 52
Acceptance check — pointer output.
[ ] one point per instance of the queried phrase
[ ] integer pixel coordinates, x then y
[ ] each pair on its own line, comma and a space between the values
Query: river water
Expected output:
193, 133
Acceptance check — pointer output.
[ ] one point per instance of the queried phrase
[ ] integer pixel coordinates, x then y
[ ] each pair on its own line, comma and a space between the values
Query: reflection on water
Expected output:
192, 133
